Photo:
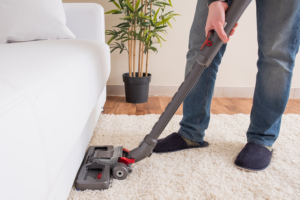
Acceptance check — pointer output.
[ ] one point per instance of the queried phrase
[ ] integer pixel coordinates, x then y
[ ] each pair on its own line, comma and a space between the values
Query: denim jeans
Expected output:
278, 24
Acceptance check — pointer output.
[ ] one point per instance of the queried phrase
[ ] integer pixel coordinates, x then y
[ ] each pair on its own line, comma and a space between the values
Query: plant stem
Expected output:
140, 49
143, 46
147, 62
142, 60
134, 46
131, 42
129, 54
139, 64
129, 51
147, 59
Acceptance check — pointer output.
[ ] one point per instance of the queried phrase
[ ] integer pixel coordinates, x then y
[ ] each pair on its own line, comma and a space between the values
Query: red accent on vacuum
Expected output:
126, 150
126, 161
207, 41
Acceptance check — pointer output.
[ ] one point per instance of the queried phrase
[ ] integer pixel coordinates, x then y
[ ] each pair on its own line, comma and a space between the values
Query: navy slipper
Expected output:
175, 142
253, 157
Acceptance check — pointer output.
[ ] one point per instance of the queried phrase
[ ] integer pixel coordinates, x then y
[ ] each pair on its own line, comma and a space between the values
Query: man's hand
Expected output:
216, 20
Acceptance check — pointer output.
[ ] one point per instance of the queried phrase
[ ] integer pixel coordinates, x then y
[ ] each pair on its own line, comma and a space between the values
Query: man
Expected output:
278, 25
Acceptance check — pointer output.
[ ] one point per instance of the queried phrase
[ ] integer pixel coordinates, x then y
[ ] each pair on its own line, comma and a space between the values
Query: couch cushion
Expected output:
47, 92
31, 20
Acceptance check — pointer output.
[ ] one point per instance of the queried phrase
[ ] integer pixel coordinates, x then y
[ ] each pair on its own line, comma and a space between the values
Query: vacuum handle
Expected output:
234, 13
211, 47
213, 43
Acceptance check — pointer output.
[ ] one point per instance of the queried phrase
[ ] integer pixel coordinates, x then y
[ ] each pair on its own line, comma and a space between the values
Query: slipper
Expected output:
175, 142
253, 157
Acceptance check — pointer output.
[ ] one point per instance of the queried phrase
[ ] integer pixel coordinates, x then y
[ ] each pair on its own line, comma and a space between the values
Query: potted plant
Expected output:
143, 21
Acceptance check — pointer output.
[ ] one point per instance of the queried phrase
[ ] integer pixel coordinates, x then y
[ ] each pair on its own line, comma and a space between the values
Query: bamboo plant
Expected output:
143, 22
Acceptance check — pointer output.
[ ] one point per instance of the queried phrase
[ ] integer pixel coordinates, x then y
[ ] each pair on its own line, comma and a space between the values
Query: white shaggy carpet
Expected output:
200, 173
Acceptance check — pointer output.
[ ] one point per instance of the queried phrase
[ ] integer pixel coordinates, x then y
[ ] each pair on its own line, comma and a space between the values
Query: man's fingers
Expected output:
232, 32
207, 29
221, 33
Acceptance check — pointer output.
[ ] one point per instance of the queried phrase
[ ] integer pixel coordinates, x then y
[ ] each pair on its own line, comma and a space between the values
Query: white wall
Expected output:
238, 68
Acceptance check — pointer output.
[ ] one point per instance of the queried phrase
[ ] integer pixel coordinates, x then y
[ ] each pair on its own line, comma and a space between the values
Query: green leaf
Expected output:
140, 8
163, 21
129, 9
155, 16
126, 17
162, 31
129, 5
117, 5
123, 34
117, 45
126, 40
162, 3
142, 16
169, 24
137, 4
146, 31
149, 36
175, 14
160, 27
169, 12
140, 31
152, 23
113, 49
122, 38
153, 49
112, 11
145, 24
170, 3
123, 25
161, 38
120, 12
111, 39
143, 39
153, 12
158, 40
121, 4
109, 32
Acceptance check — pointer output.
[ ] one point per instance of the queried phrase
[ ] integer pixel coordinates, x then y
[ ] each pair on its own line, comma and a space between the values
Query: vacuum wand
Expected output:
101, 163
208, 51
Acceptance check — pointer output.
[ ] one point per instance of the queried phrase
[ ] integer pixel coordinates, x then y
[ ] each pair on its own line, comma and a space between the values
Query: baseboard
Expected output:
241, 92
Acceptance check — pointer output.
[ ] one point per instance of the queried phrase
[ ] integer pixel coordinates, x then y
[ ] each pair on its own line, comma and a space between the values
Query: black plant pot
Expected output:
136, 88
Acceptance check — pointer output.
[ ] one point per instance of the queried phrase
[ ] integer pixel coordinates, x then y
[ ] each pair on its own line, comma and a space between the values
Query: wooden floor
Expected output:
156, 105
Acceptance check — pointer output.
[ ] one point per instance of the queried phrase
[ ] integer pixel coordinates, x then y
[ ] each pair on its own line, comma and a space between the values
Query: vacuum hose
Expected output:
208, 51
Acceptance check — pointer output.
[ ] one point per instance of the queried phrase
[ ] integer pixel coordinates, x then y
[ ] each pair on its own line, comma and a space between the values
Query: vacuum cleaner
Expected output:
103, 163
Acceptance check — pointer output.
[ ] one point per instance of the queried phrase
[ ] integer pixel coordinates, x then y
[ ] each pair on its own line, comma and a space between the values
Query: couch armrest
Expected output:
86, 20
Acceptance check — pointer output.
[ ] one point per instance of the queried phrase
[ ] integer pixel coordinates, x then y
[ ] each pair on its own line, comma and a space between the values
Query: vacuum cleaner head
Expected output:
100, 165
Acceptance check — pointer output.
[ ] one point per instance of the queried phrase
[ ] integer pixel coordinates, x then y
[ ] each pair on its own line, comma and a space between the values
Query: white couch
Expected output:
51, 95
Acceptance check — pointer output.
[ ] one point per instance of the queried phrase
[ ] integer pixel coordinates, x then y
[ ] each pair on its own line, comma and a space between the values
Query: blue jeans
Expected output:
278, 24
